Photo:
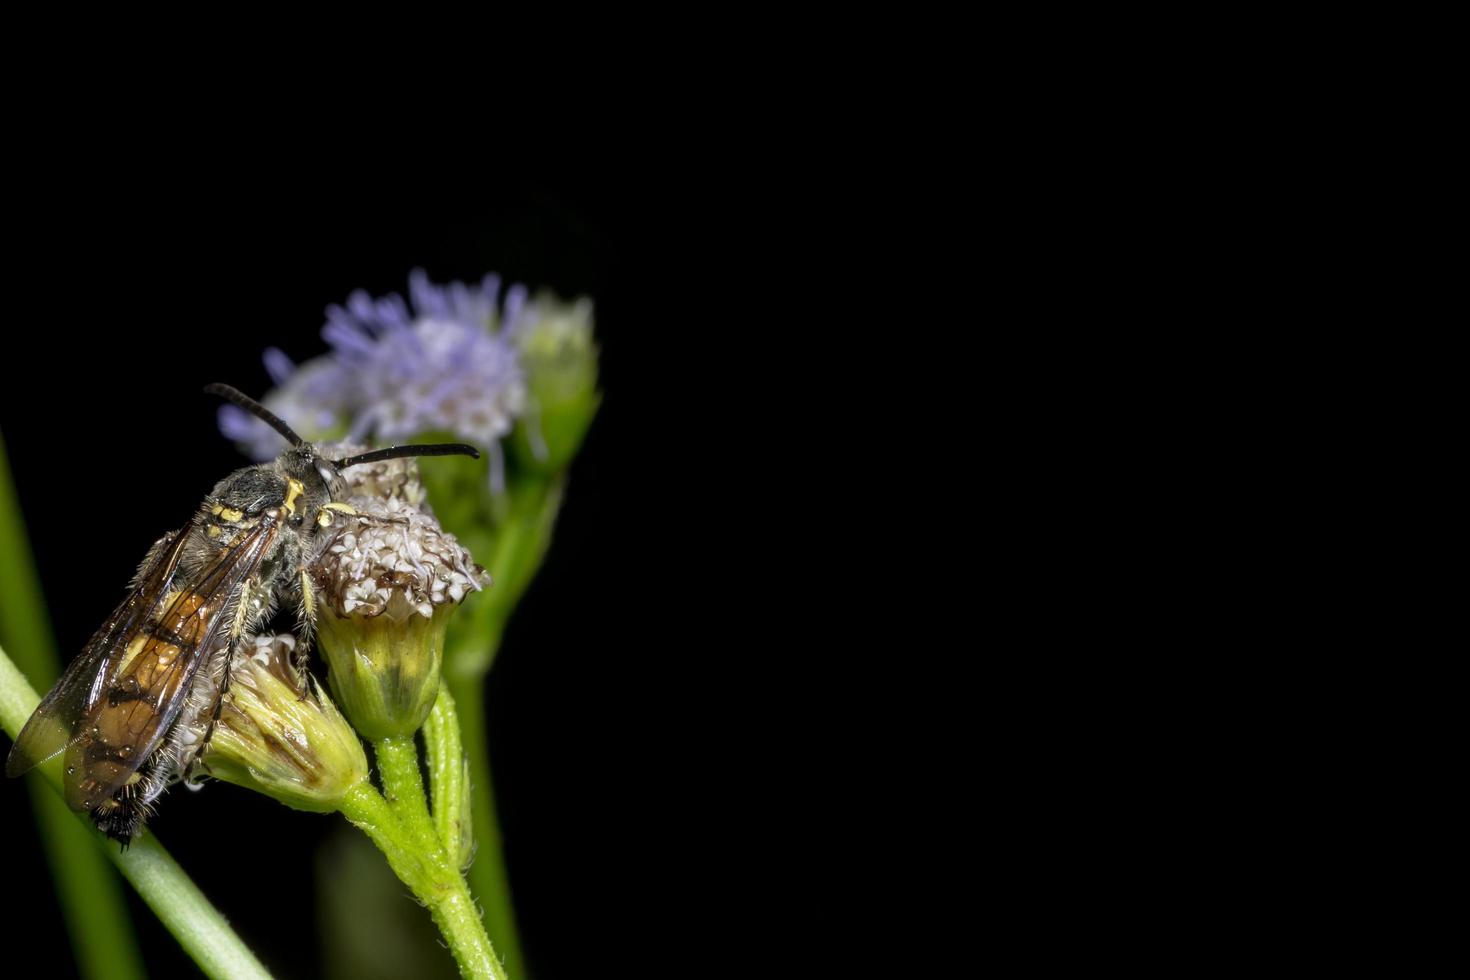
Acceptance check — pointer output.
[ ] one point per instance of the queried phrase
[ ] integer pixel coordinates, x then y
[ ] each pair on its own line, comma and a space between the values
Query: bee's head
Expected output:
319, 478
301, 480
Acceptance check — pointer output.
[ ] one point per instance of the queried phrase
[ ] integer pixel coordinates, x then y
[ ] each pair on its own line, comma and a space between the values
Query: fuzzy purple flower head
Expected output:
447, 362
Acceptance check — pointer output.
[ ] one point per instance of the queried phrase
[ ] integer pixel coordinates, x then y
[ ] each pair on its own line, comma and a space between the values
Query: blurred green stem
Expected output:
157, 877
488, 879
87, 890
90, 895
515, 555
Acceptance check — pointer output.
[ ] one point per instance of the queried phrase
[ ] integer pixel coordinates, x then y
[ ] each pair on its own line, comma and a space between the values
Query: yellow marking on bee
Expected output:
231, 514
131, 652
293, 490
344, 508
308, 597
213, 531
216, 509
163, 653
133, 778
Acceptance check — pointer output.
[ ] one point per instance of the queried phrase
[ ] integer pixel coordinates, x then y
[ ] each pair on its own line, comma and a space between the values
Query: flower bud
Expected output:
386, 586
278, 739
560, 362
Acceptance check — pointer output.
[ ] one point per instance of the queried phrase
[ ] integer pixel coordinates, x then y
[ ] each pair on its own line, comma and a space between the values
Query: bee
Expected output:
135, 710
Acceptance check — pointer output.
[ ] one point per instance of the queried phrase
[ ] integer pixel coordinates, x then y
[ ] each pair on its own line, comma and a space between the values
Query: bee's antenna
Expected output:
237, 397
397, 452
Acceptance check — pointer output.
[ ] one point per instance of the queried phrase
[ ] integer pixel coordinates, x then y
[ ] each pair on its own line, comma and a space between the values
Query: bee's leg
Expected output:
324, 516
237, 633
224, 688
151, 559
197, 759
306, 616
305, 628
325, 519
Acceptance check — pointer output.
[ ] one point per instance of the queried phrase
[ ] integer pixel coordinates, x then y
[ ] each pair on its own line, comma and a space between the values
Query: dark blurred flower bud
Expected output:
559, 358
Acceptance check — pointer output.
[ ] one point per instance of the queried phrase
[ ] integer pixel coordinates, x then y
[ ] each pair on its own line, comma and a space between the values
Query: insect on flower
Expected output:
136, 709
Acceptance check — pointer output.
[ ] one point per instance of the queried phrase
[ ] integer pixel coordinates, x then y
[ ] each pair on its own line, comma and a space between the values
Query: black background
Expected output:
126, 295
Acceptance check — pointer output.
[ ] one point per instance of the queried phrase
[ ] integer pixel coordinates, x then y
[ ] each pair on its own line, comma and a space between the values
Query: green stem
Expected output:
102, 933
401, 830
403, 785
22, 606
459, 919
525, 538
366, 809
488, 877
157, 877
88, 890
516, 551
185, 912
520, 546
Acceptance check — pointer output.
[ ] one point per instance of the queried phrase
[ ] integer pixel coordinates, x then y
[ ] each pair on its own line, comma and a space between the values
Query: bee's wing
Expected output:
50, 727
131, 714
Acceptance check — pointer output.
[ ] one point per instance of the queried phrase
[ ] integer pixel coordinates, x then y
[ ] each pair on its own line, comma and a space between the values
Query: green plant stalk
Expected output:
22, 606
487, 874
516, 554
102, 934
515, 551
403, 786
525, 538
404, 832
185, 912
87, 890
160, 882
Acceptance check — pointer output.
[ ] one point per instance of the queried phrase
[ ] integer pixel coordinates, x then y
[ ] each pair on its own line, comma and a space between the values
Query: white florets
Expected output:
393, 558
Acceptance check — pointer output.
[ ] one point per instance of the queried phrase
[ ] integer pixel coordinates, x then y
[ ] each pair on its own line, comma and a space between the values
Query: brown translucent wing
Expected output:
50, 727
128, 719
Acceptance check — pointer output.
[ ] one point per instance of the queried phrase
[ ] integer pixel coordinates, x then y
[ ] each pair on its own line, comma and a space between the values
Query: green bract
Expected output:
384, 669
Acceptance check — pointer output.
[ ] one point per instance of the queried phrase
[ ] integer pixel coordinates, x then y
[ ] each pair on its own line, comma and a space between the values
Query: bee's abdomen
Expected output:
106, 763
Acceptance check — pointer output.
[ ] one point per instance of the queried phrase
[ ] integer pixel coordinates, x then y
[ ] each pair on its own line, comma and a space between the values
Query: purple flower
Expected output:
446, 363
